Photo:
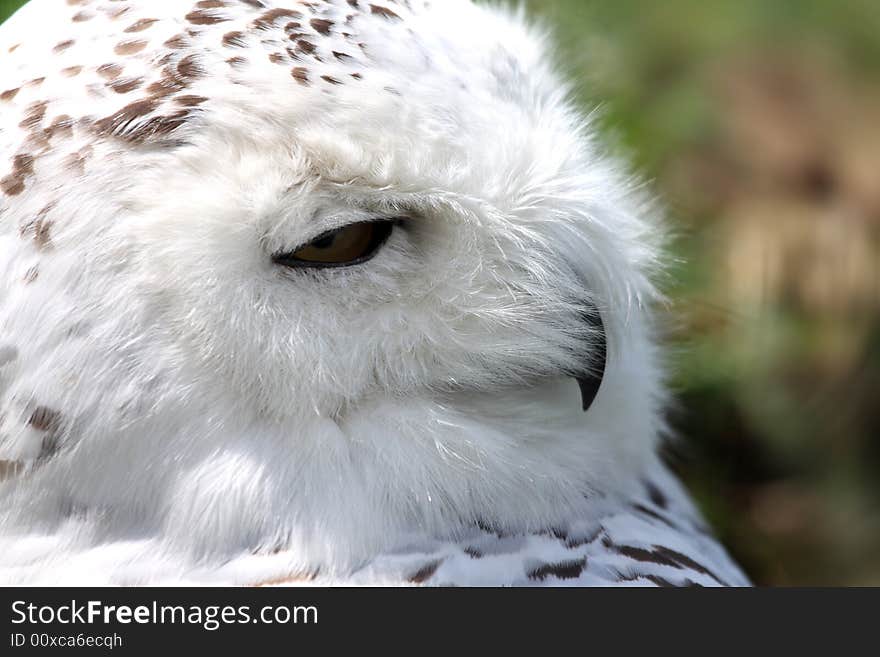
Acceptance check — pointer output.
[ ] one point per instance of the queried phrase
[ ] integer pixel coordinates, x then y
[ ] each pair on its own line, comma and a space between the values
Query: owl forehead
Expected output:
132, 73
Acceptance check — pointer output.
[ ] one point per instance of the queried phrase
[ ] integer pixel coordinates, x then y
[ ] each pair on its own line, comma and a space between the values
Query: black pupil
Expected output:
325, 241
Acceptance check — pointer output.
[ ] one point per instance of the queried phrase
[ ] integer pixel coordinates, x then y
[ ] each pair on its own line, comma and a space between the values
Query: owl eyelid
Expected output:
385, 228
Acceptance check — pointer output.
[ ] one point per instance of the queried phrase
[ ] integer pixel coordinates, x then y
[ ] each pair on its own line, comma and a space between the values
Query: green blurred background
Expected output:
758, 123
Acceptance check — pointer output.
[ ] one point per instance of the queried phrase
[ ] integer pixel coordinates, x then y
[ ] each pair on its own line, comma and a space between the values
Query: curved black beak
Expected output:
590, 384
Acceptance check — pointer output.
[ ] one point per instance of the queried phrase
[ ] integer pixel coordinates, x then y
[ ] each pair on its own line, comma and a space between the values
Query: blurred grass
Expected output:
7, 7
757, 123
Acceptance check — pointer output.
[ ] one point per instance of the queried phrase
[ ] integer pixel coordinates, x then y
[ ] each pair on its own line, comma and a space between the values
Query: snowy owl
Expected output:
335, 291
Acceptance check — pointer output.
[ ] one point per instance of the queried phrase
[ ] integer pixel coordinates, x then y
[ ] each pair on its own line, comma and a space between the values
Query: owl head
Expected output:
286, 272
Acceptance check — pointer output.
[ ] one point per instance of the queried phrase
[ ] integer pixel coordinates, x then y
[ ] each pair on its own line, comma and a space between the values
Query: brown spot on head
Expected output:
71, 71
169, 84
190, 100
276, 58
204, 18
177, 41
83, 16
37, 141
234, 40
23, 164
62, 46
140, 25
9, 94
40, 231
61, 125
117, 12
33, 115
124, 85
123, 118
301, 75
236, 62
129, 47
210, 4
12, 185
76, 162
321, 25
110, 71
305, 46
384, 12
357, 76
330, 79
189, 68
134, 123
267, 20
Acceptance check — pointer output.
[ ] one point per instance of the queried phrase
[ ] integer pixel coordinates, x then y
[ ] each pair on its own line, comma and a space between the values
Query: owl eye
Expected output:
343, 247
